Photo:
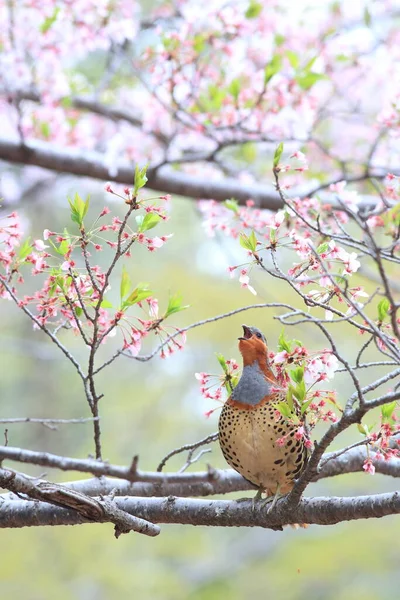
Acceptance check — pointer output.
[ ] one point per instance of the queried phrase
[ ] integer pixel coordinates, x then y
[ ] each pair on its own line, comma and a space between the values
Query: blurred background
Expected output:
151, 408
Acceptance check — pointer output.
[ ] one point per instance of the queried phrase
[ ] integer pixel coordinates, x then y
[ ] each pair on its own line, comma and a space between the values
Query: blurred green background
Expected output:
151, 408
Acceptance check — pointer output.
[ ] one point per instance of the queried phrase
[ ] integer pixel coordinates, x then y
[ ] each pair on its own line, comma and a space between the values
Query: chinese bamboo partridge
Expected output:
248, 429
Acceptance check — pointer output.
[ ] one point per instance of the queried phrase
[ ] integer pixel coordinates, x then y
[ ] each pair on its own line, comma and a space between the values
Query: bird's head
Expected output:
253, 346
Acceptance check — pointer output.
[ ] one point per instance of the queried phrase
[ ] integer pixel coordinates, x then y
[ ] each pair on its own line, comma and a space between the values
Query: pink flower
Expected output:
157, 242
375, 221
369, 467
40, 245
300, 156
202, 377
108, 188
244, 280
105, 211
67, 264
299, 433
209, 413
280, 357
134, 347
47, 233
153, 307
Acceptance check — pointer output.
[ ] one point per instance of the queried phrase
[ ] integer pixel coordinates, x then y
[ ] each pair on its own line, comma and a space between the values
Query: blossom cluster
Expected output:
385, 440
73, 291
313, 259
212, 386
225, 73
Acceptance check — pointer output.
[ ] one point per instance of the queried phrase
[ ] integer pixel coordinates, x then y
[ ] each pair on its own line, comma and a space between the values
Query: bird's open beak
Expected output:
246, 333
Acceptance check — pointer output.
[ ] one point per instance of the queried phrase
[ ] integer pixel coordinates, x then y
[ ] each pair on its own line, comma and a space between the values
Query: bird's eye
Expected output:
258, 334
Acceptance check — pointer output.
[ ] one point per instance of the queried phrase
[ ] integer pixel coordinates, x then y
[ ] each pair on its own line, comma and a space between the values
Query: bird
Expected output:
248, 428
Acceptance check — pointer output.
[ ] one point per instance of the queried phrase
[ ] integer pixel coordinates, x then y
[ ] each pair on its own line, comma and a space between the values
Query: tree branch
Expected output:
203, 483
89, 509
91, 164
215, 513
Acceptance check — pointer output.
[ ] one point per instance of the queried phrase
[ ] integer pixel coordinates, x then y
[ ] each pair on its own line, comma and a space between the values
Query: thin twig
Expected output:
207, 440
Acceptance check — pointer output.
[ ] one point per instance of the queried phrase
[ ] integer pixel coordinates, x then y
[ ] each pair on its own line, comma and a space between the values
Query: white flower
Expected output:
40, 245
280, 357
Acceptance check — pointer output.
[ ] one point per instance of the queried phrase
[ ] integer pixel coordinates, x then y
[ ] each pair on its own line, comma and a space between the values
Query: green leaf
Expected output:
244, 241
367, 17
106, 304
62, 249
174, 305
147, 222
253, 10
78, 311
300, 391
272, 68
234, 88
25, 249
387, 411
278, 154
249, 152
279, 39
284, 410
232, 205
222, 362
305, 405
310, 63
293, 58
211, 100
86, 207
45, 129
199, 43
323, 248
307, 80
79, 209
137, 295
66, 102
125, 284
297, 374
248, 242
48, 22
383, 308
392, 216
60, 282
283, 343
170, 43
363, 428
140, 179
253, 241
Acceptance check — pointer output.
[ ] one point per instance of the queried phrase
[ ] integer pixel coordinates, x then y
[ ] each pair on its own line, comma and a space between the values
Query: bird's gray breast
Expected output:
252, 386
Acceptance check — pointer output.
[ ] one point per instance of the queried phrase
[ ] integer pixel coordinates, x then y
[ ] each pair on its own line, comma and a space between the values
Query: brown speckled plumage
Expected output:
248, 429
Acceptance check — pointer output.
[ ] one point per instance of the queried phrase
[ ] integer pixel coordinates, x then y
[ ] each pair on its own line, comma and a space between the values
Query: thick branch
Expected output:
90, 164
203, 483
98, 510
216, 513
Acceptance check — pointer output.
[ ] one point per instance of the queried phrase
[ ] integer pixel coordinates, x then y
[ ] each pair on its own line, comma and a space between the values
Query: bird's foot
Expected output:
257, 498
272, 500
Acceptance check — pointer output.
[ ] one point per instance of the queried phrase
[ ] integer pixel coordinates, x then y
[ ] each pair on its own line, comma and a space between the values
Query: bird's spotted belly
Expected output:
248, 438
